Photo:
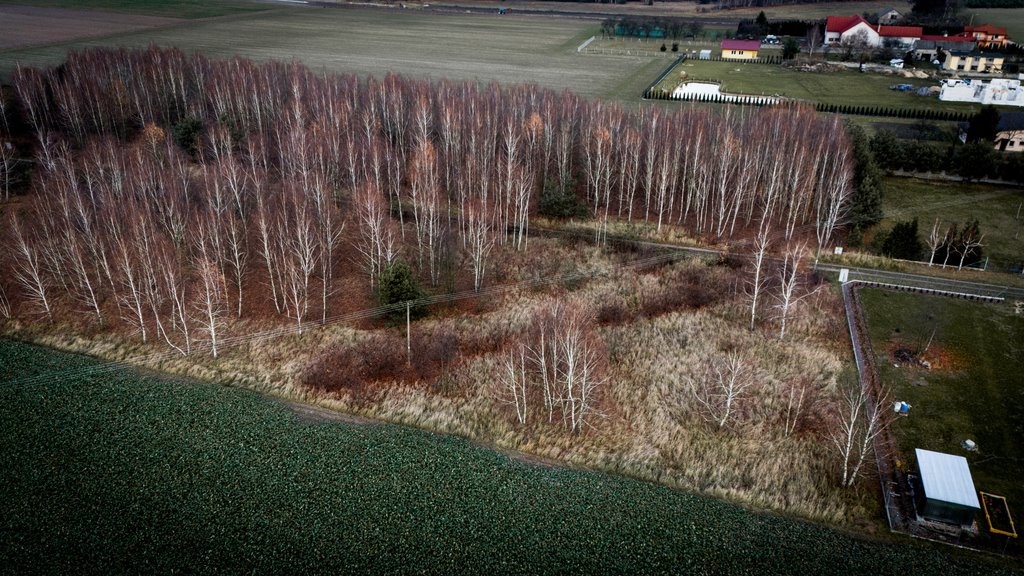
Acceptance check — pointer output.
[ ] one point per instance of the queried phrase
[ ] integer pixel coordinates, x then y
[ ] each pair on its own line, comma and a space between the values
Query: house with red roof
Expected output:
856, 30
988, 36
740, 49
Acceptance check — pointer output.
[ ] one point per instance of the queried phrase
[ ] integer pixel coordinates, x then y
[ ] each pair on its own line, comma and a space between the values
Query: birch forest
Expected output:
186, 204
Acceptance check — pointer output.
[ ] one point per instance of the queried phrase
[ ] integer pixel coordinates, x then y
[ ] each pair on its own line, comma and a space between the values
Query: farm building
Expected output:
947, 490
973, 62
740, 49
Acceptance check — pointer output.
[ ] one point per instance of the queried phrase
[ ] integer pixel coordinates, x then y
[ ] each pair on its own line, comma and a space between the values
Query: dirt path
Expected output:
312, 413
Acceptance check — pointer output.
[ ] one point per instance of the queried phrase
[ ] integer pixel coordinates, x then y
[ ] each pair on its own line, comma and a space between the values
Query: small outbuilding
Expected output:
740, 49
947, 491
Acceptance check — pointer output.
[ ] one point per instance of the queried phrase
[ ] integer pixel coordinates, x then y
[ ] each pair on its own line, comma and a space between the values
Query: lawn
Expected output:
995, 208
973, 390
414, 42
171, 8
131, 472
848, 87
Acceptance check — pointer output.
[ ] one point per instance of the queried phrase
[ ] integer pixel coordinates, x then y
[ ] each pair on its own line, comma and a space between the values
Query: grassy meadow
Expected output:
845, 87
971, 392
995, 208
134, 472
411, 42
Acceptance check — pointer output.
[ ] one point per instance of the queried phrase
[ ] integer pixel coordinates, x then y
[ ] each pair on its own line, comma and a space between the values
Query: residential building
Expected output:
740, 49
927, 48
841, 30
888, 16
1010, 132
983, 62
988, 37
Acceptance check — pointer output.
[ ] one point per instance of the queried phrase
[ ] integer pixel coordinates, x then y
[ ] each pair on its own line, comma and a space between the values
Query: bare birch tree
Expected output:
721, 389
859, 420
515, 378
789, 276
935, 240
29, 271
757, 283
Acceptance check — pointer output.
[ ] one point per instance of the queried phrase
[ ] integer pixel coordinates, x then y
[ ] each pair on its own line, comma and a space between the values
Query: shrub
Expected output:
559, 201
398, 285
186, 134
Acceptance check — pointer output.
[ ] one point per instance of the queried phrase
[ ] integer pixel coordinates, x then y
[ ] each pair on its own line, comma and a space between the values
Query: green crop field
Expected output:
995, 208
118, 471
172, 8
848, 87
413, 42
973, 390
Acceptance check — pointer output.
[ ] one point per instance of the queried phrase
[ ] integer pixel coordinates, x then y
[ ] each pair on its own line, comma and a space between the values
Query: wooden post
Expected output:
408, 333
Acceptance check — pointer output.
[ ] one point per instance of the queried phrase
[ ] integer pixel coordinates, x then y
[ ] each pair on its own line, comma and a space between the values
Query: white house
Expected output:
856, 30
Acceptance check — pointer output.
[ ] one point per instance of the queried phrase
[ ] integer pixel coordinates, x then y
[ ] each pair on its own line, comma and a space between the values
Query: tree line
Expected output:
174, 191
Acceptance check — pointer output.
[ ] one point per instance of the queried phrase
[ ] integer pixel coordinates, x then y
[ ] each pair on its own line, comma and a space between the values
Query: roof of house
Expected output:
986, 28
886, 10
841, 24
946, 478
962, 54
741, 44
1010, 121
957, 38
900, 31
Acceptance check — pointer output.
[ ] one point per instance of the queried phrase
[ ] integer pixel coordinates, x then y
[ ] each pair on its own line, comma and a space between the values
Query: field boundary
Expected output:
897, 491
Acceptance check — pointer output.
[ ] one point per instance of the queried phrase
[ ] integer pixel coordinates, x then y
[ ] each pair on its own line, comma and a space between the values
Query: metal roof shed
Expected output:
948, 493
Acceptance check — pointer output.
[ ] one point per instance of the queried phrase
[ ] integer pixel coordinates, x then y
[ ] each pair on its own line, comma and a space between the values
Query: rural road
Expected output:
856, 273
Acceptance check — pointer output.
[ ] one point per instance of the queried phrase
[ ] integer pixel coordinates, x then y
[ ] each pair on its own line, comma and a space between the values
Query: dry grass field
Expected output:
410, 42
22, 26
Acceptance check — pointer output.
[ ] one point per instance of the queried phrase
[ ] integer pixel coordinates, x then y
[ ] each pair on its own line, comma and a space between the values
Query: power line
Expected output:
281, 331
